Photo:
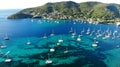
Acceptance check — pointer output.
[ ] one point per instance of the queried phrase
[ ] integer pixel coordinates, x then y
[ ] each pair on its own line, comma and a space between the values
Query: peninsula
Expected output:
92, 11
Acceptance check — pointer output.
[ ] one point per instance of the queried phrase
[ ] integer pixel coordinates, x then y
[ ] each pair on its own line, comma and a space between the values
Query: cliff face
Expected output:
71, 10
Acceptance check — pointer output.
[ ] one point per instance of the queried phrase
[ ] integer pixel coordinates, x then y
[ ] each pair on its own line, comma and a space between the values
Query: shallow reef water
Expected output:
67, 43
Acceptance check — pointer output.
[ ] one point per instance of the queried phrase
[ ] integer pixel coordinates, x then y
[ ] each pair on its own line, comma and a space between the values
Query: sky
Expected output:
21, 4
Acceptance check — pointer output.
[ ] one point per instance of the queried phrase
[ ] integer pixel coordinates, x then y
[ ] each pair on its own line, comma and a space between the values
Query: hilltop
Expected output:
71, 10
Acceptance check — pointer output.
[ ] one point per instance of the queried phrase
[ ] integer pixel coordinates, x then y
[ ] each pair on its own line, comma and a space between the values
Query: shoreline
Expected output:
85, 20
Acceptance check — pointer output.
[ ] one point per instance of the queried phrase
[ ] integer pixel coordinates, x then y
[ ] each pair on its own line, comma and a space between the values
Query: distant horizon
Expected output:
22, 4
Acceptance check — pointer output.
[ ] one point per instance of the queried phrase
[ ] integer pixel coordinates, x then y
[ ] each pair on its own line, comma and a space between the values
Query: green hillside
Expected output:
72, 10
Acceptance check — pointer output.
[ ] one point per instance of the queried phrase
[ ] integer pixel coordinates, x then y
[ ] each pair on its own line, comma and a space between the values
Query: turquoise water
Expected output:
69, 53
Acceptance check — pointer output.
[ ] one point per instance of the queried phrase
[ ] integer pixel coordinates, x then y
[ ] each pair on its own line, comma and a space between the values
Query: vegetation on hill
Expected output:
94, 11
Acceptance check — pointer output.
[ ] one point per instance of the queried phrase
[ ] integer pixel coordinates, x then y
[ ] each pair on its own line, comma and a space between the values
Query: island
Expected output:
91, 11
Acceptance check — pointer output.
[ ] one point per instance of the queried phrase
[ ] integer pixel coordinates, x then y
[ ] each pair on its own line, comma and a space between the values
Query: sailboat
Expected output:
28, 42
44, 36
6, 37
95, 44
52, 50
118, 36
48, 61
92, 33
52, 34
99, 35
7, 60
1, 52
82, 32
60, 40
78, 39
74, 22
3, 45
66, 51
58, 43
71, 30
106, 36
88, 31
107, 30
73, 34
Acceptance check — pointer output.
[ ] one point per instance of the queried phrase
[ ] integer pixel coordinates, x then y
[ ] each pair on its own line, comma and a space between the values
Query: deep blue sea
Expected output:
83, 44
